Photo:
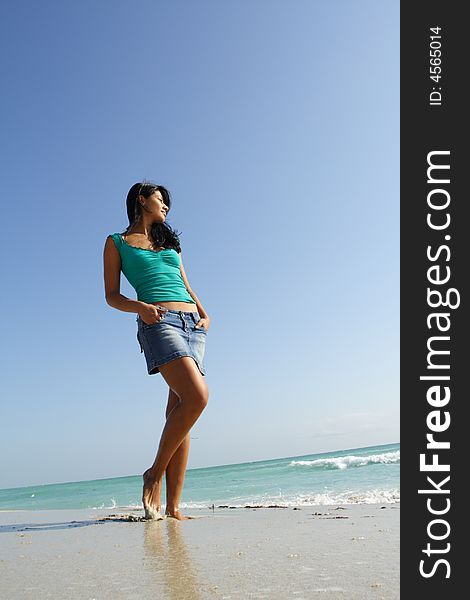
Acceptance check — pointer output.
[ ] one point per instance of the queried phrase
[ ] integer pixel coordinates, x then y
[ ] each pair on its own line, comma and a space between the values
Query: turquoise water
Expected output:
360, 475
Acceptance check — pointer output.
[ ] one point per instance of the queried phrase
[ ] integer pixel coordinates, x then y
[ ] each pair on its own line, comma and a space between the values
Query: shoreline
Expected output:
210, 508
329, 552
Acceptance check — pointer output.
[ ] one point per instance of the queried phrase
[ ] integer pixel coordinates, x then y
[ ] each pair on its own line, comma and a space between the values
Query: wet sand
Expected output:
329, 552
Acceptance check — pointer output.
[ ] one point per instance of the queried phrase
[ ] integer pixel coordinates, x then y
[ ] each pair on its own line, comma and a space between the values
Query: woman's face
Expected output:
155, 207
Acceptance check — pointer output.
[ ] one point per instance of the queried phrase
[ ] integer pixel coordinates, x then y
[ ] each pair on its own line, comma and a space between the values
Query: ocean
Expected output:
354, 476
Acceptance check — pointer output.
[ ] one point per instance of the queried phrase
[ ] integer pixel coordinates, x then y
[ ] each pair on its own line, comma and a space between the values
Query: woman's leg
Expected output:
182, 376
176, 468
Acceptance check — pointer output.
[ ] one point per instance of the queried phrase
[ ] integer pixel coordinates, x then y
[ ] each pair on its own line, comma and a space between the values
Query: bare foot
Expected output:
151, 496
175, 514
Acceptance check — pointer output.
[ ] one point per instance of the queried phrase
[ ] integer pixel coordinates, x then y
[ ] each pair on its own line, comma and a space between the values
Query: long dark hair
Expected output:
161, 233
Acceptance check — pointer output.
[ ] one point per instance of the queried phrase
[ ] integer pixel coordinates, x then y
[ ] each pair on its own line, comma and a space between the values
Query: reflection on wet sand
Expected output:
168, 560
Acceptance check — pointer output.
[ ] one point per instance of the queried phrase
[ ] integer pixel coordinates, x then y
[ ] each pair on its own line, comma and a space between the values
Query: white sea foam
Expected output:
374, 496
346, 462
112, 505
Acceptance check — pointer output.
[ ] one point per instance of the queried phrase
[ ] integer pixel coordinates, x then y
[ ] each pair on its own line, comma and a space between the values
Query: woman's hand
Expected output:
204, 323
149, 313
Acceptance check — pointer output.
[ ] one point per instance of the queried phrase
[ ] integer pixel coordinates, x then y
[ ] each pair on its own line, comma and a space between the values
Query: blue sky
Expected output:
275, 126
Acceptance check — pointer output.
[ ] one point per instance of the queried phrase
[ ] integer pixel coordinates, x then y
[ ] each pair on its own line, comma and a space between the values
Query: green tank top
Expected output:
155, 275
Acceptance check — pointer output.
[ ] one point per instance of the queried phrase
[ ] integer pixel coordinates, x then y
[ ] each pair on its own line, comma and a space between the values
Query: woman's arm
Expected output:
112, 280
200, 308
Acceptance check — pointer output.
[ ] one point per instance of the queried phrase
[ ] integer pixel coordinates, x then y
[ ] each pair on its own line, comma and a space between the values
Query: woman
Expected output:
171, 329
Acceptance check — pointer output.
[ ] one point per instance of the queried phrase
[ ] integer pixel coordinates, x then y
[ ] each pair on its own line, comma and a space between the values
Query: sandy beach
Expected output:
327, 552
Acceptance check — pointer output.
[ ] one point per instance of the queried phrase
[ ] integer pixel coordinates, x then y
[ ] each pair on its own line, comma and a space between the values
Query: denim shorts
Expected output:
175, 335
